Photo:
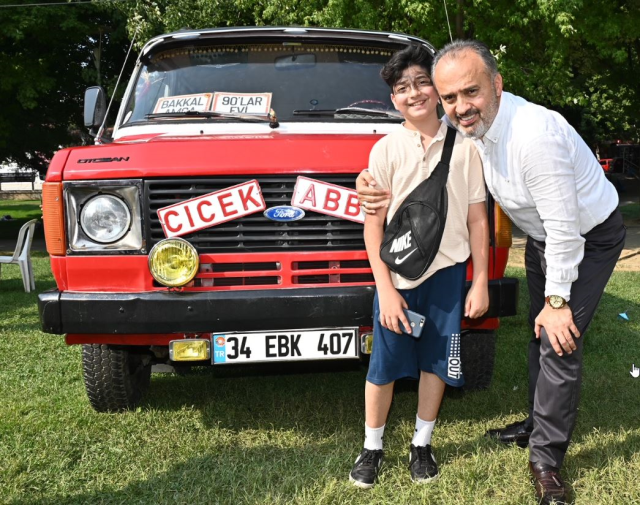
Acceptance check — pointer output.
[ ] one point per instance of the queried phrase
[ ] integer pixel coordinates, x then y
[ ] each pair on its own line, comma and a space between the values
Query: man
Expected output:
546, 179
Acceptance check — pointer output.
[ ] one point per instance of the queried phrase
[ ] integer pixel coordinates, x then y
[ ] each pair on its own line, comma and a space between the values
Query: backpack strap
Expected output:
447, 150
440, 174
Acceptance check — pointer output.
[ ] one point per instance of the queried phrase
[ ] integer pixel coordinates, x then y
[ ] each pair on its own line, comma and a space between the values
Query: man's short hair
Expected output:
457, 47
402, 60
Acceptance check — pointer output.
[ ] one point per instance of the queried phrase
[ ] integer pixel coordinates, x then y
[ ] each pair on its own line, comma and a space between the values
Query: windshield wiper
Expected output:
271, 118
352, 111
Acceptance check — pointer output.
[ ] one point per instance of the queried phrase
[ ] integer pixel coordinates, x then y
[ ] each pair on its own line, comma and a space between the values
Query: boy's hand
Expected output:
477, 302
391, 313
370, 198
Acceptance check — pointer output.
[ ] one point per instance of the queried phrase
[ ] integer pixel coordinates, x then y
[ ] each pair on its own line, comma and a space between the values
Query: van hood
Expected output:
162, 156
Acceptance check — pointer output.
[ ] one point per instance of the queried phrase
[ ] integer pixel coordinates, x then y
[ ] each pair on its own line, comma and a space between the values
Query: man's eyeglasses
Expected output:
406, 86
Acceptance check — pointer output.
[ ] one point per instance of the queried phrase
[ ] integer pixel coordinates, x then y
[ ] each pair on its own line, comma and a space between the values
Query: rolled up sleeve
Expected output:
550, 178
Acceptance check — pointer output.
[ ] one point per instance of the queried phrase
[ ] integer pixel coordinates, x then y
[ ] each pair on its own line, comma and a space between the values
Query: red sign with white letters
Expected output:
211, 209
325, 198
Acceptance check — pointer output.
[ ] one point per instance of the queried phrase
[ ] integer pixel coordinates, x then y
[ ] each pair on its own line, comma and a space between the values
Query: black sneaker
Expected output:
422, 464
366, 468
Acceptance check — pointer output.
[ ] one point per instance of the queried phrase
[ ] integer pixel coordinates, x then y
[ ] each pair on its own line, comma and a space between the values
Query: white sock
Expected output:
373, 438
422, 433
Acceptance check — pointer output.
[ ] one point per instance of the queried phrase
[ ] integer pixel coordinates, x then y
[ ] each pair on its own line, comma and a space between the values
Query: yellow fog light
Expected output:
189, 349
173, 262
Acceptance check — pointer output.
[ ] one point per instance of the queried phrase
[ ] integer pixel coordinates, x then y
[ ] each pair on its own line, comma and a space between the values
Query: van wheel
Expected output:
115, 378
477, 353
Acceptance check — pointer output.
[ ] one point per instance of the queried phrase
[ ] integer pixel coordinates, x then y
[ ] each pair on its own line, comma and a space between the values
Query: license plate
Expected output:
285, 345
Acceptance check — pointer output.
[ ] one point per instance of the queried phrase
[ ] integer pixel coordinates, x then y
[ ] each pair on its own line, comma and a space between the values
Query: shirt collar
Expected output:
496, 129
440, 135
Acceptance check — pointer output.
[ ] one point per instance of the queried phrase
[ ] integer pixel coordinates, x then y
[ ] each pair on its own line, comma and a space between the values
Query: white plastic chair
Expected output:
22, 257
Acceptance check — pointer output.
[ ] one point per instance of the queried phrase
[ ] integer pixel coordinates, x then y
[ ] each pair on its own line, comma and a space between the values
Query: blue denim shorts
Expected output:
441, 300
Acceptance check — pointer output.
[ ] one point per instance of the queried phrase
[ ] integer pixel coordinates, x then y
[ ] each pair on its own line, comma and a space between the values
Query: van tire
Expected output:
477, 352
115, 378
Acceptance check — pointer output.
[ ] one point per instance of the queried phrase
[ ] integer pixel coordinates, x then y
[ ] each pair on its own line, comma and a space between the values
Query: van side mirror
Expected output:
95, 107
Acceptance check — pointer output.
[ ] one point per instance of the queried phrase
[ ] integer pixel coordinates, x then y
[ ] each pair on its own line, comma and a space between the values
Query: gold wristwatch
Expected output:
555, 301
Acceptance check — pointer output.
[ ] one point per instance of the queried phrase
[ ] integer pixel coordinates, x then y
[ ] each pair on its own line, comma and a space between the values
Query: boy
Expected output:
399, 162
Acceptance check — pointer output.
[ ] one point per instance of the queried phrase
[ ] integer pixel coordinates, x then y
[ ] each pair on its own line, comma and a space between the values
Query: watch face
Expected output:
556, 301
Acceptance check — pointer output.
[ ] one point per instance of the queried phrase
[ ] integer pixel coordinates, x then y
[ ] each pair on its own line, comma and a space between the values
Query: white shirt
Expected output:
547, 180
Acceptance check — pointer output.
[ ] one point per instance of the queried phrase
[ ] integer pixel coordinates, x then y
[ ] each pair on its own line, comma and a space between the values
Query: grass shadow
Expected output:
250, 472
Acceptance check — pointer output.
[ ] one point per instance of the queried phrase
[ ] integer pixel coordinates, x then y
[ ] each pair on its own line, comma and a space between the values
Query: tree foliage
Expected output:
48, 56
580, 57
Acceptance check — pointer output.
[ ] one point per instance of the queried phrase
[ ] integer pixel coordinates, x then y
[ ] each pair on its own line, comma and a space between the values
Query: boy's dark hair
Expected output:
402, 60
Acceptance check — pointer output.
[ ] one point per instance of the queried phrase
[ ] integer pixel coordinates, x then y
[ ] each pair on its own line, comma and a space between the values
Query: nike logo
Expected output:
400, 260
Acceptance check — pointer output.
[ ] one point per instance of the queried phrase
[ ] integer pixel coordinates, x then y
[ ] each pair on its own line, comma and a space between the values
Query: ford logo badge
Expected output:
284, 213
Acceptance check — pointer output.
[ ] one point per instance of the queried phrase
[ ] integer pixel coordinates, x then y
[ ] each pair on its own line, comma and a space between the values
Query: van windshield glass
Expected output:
286, 77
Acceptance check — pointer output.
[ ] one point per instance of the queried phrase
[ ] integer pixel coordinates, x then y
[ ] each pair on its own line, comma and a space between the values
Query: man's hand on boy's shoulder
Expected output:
369, 197
391, 310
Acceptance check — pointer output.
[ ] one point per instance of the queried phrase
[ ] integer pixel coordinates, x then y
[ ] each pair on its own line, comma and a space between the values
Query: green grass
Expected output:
631, 213
21, 211
246, 436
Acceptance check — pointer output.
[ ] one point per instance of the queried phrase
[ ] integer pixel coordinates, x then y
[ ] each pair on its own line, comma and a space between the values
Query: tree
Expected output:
48, 56
580, 57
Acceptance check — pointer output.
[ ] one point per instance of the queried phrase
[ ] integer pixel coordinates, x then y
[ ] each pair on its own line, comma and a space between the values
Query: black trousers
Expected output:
554, 381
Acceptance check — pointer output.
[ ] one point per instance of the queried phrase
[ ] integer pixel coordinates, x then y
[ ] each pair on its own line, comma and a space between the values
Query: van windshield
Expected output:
311, 79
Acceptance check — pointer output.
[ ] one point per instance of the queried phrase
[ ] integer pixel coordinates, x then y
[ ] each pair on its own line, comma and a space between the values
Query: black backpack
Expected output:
412, 238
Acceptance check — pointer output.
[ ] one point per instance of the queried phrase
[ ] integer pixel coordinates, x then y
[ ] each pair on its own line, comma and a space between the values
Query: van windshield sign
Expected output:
184, 103
257, 104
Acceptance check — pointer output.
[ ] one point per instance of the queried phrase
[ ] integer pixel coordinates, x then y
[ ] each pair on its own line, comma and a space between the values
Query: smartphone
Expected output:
416, 321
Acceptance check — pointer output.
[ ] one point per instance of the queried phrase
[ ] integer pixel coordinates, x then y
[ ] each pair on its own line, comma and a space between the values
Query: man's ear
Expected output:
498, 84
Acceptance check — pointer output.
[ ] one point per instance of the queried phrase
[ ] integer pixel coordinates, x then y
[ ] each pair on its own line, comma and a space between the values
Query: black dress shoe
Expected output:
549, 484
515, 433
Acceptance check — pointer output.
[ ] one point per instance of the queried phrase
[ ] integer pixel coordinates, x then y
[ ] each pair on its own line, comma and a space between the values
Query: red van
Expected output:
218, 224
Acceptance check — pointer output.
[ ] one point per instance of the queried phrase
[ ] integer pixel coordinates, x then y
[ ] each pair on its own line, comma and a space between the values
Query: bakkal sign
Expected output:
183, 103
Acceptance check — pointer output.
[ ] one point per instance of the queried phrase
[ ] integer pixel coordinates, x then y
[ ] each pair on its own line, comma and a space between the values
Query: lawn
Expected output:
20, 211
247, 436
631, 214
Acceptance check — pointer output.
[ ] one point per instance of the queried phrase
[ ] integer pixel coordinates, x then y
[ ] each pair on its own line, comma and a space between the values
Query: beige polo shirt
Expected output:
399, 162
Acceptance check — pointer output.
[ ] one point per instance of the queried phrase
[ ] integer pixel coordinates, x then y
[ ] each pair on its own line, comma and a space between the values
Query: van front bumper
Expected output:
219, 311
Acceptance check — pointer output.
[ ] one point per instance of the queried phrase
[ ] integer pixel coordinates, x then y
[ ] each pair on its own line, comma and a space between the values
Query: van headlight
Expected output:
105, 218
173, 262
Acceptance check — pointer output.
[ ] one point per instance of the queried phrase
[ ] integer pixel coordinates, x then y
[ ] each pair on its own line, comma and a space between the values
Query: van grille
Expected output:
289, 272
254, 233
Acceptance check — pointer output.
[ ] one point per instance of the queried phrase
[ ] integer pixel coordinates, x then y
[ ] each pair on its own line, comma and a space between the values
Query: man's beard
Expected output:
484, 122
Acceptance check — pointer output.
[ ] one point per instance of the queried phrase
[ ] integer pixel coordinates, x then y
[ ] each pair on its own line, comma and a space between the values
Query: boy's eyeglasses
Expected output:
417, 84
